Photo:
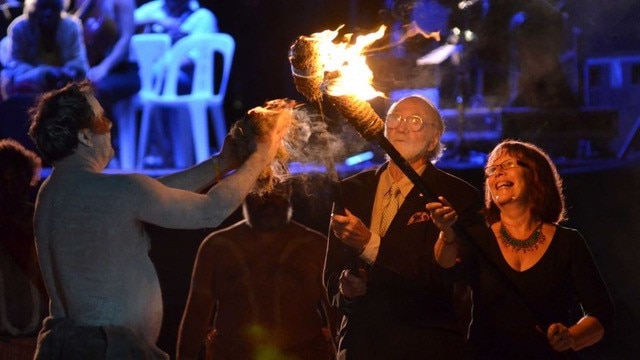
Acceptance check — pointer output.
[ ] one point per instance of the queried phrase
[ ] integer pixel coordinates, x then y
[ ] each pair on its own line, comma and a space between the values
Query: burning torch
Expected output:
343, 67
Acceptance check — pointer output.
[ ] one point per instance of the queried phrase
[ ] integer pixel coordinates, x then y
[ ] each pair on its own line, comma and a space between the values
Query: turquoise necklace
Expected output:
528, 244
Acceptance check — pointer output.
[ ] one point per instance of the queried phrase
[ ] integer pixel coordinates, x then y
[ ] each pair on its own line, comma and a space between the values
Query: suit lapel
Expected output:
362, 190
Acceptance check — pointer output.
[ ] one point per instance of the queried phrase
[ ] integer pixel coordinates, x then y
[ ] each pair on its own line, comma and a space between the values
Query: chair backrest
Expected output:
147, 50
201, 48
5, 51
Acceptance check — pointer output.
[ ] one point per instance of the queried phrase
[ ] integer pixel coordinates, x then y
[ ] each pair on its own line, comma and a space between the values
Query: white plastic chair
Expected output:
146, 50
205, 95
5, 50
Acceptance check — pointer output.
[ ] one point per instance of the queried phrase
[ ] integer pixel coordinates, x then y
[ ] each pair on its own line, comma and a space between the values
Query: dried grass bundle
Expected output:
258, 122
307, 70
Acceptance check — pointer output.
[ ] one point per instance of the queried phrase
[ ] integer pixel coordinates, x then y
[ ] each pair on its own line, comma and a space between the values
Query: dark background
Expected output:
264, 30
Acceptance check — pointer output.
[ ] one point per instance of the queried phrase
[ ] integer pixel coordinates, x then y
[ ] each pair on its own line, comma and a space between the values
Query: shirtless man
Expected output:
256, 288
92, 247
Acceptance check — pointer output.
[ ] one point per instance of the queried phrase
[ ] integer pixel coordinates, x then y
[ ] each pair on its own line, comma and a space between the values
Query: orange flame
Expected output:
346, 61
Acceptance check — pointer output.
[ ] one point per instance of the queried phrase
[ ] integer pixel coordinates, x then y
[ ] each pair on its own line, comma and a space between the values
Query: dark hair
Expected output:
58, 116
26, 162
542, 179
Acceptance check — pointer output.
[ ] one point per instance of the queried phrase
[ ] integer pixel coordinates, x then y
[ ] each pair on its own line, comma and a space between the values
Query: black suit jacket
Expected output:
407, 311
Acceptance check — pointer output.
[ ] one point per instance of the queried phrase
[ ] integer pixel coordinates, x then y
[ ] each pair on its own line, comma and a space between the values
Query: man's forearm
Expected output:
195, 178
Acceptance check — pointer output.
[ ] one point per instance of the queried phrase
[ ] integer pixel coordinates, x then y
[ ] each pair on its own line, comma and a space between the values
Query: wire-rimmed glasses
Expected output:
414, 122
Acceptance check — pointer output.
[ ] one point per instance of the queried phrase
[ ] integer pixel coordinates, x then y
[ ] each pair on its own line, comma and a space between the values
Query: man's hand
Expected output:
442, 214
560, 338
350, 230
229, 158
352, 286
269, 142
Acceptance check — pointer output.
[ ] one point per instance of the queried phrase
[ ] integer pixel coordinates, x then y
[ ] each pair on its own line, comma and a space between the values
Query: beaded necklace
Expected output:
529, 244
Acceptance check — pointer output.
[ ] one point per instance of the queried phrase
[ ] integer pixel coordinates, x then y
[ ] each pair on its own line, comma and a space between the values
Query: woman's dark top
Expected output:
562, 286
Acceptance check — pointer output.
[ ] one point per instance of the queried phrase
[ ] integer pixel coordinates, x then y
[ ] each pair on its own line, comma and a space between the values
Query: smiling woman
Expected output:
541, 183
524, 203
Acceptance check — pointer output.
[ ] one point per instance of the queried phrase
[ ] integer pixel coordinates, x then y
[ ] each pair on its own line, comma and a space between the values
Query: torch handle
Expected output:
338, 204
339, 209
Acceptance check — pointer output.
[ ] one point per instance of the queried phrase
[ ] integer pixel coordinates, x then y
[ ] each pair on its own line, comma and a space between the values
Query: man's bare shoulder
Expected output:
222, 237
310, 233
132, 179
222, 242
113, 185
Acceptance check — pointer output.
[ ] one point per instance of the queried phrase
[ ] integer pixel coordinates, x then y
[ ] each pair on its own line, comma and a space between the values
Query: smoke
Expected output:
318, 143
311, 141
312, 148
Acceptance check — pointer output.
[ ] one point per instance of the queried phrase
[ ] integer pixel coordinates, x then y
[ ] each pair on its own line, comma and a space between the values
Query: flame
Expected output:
413, 29
345, 63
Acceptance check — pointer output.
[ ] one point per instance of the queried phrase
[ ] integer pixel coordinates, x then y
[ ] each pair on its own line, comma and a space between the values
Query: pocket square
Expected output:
418, 217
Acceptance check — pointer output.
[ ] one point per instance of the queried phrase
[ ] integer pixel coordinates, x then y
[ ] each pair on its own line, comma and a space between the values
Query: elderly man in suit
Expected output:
379, 267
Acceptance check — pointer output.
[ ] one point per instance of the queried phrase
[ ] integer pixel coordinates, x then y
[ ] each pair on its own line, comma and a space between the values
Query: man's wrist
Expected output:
217, 169
448, 238
450, 241
362, 247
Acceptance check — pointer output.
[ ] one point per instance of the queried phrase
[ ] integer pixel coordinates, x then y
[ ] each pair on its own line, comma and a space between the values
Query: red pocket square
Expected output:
418, 217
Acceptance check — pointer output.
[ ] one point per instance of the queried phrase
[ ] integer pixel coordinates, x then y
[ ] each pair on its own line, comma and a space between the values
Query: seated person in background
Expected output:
23, 298
46, 50
108, 26
177, 18
256, 288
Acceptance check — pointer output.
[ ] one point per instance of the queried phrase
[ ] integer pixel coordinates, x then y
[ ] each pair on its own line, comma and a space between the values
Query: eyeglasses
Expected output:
509, 164
414, 122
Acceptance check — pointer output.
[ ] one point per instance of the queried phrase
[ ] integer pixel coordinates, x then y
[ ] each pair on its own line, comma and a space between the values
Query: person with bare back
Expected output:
89, 226
256, 288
